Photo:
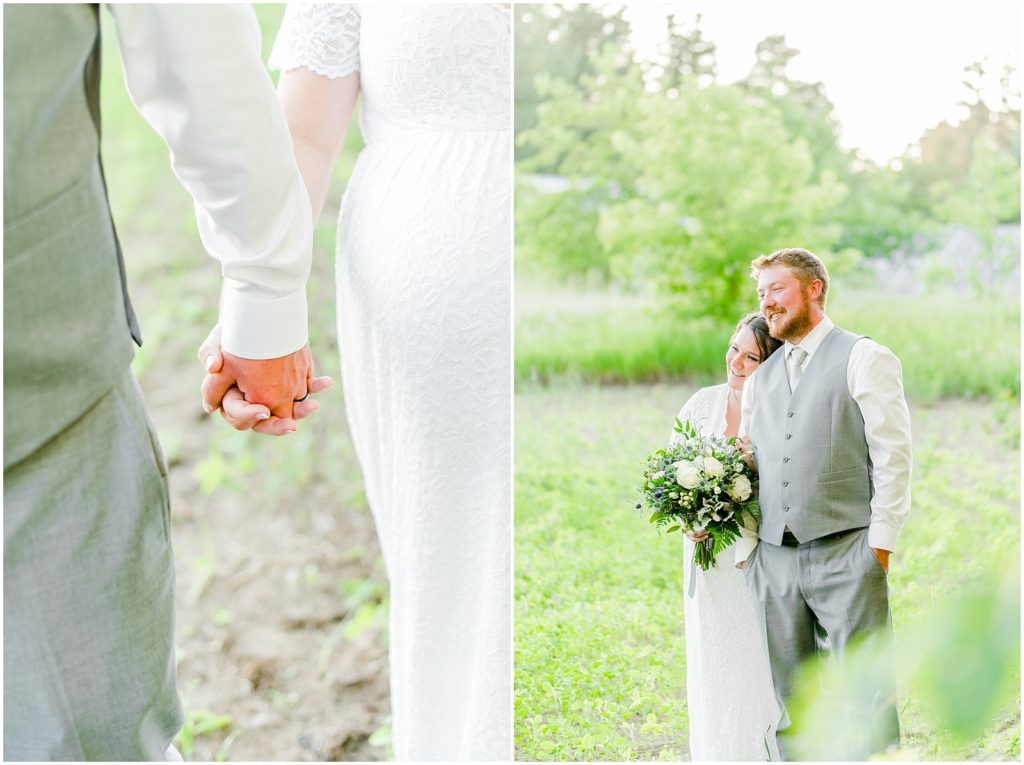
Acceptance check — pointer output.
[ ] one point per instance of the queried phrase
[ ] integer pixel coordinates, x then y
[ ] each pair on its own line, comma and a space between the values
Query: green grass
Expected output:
600, 655
600, 661
950, 345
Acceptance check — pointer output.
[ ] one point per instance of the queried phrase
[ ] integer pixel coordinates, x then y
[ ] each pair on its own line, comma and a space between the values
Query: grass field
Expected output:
600, 654
616, 338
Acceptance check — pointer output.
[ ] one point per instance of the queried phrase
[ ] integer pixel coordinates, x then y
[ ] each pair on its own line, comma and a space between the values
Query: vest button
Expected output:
789, 436
785, 483
785, 509
789, 414
785, 459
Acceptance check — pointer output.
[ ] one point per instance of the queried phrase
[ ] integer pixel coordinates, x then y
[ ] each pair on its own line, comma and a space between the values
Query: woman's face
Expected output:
742, 358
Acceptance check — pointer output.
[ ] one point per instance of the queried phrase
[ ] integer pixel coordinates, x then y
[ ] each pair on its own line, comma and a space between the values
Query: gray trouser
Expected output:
817, 596
89, 669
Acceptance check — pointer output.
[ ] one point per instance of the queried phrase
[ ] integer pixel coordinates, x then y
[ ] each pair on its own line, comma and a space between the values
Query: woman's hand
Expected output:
222, 391
697, 537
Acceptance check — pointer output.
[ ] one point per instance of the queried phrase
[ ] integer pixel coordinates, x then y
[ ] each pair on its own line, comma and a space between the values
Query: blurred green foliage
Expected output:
962, 663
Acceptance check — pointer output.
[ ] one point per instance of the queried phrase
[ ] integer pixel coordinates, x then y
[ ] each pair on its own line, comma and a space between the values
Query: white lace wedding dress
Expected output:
424, 325
728, 682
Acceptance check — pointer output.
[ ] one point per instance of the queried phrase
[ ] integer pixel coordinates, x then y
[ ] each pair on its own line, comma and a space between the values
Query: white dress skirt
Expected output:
424, 327
729, 689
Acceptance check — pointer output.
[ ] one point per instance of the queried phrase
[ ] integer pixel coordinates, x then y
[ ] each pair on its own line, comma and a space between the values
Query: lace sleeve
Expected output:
323, 37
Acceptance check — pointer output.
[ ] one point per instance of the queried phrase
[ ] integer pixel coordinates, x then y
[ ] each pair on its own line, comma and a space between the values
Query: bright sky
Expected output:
891, 69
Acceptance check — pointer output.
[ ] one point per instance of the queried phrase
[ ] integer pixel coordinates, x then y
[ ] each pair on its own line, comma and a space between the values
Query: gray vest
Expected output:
68, 323
812, 456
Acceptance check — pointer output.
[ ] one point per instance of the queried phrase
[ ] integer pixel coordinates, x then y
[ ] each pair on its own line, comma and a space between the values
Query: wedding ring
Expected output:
302, 399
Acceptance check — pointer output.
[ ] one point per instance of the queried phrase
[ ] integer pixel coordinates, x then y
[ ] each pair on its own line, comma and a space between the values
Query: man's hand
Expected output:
242, 415
741, 565
259, 394
883, 558
747, 450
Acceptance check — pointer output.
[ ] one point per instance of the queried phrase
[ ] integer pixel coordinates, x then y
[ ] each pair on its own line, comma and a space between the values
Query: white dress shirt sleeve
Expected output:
748, 529
875, 377
195, 74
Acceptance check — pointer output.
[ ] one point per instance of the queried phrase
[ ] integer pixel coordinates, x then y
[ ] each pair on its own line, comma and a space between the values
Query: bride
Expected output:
728, 686
424, 304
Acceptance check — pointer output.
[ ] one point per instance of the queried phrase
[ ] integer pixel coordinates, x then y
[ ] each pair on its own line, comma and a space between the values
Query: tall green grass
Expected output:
600, 666
950, 345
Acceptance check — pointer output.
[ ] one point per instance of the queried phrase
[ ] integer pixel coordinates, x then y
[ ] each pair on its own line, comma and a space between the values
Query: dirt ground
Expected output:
281, 596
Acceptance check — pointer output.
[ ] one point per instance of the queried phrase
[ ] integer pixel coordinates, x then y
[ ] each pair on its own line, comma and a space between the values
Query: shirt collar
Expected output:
814, 338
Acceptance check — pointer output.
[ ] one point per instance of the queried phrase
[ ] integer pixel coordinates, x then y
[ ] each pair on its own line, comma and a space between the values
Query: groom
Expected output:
830, 431
89, 668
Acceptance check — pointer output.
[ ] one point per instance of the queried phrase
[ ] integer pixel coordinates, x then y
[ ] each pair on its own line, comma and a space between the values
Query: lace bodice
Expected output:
706, 410
421, 67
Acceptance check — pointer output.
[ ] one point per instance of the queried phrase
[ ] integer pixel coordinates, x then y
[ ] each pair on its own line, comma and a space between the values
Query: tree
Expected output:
805, 107
988, 196
559, 41
580, 125
683, 191
685, 54
942, 158
882, 214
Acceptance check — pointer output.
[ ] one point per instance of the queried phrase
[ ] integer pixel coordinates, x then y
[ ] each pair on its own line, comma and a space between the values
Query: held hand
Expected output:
697, 537
259, 394
883, 558
741, 565
275, 383
242, 415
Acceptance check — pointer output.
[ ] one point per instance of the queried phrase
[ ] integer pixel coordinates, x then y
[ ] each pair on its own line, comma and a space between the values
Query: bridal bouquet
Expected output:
702, 484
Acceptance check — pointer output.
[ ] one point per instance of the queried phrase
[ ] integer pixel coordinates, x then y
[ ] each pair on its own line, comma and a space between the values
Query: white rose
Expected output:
712, 467
741, 488
687, 474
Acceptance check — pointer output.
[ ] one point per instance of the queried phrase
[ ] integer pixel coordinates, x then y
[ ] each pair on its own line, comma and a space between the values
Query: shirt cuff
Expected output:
745, 546
882, 536
262, 328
